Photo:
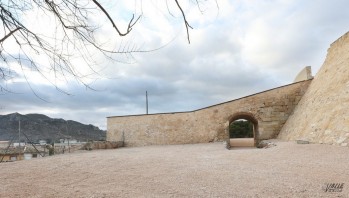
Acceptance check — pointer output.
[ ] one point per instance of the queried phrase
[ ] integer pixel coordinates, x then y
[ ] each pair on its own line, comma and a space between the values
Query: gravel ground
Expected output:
198, 170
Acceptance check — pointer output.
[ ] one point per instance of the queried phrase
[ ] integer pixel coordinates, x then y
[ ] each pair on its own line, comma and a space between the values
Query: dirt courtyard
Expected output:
198, 170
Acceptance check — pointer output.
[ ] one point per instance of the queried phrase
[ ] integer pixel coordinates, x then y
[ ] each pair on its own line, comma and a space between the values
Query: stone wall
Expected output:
268, 110
305, 74
322, 115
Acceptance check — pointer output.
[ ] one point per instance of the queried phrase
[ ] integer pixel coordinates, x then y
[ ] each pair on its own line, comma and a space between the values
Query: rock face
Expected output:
41, 127
322, 115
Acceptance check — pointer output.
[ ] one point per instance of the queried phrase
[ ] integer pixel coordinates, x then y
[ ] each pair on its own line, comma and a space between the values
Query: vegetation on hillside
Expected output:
41, 127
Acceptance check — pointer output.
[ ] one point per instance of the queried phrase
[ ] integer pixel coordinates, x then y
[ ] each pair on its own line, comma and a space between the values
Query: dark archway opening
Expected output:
243, 130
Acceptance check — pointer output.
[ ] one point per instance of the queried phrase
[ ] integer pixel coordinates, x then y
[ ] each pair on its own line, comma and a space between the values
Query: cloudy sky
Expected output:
237, 49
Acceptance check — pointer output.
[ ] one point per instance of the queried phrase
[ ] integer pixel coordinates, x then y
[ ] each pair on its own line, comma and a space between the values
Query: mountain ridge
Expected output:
42, 127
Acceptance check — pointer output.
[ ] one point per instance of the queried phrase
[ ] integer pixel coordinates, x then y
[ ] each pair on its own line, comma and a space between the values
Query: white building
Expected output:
4, 144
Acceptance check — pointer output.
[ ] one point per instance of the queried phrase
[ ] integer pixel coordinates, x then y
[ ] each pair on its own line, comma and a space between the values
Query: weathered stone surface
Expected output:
269, 110
322, 114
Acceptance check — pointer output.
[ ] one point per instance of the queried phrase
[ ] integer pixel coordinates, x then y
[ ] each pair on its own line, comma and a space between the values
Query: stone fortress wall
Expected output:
268, 111
313, 110
322, 115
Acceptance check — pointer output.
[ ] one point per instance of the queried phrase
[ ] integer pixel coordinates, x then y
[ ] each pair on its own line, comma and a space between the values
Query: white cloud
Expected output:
241, 48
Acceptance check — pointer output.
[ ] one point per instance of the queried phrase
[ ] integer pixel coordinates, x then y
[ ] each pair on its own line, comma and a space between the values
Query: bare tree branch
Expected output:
75, 37
130, 24
187, 25
9, 34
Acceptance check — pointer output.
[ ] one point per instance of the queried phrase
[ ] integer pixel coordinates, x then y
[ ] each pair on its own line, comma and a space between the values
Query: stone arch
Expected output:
246, 116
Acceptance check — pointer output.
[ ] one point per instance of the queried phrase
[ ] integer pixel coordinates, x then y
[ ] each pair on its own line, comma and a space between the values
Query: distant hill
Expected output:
41, 127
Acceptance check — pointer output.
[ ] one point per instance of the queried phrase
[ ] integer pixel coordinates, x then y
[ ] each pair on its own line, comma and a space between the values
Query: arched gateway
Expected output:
243, 140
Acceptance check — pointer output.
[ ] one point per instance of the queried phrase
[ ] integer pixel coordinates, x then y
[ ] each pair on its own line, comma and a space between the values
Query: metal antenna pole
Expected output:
146, 101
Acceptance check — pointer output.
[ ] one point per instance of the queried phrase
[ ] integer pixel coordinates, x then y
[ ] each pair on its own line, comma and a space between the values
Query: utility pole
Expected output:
19, 132
19, 138
146, 102
66, 124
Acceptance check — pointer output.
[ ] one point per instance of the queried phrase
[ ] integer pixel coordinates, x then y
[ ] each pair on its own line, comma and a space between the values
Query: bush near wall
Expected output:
102, 145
